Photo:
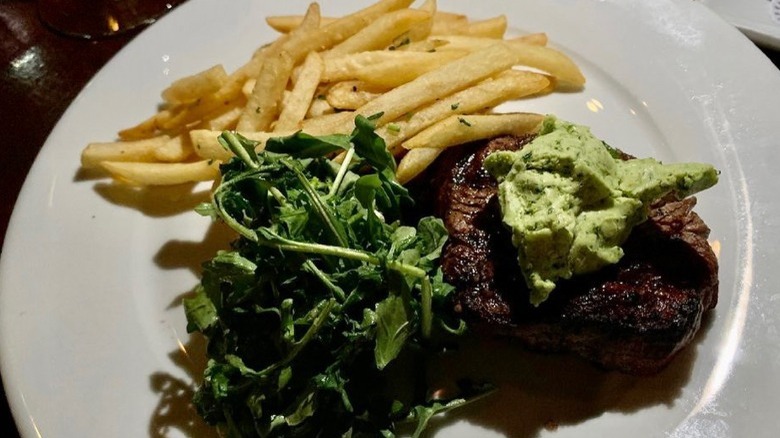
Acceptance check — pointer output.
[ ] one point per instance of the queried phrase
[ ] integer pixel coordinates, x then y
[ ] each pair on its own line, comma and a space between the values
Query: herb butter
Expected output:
570, 203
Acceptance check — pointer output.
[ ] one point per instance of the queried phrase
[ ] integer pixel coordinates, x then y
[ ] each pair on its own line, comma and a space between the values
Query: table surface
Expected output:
34, 94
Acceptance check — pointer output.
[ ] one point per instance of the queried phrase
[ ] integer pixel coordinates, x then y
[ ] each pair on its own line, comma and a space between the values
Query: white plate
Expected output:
758, 19
92, 333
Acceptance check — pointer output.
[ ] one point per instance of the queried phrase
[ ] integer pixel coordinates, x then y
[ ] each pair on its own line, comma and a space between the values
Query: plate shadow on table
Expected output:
538, 391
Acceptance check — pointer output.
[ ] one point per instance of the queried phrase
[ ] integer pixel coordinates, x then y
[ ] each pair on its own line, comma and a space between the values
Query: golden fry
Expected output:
491, 28
226, 120
438, 83
206, 144
174, 150
550, 60
352, 94
319, 106
526, 51
381, 33
297, 105
394, 74
460, 129
191, 88
348, 67
337, 31
537, 39
287, 23
445, 23
509, 85
421, 30
146, 129
264, 103
333, 123
162, 174
138, 150
414, 162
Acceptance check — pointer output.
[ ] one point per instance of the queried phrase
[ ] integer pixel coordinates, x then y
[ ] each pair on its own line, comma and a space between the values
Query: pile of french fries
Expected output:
435, 76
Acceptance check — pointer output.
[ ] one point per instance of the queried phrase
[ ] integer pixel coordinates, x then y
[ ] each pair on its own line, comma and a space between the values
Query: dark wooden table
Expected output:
42, 73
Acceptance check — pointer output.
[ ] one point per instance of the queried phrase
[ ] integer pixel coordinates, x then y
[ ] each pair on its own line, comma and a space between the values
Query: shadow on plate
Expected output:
535, 391
174, 414
544, 391
184, 254
160, 201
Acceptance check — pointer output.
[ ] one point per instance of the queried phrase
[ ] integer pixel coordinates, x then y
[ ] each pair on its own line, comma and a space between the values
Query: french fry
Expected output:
445, 23
264, 103
509, 85
162, 174
537, 39
287, 23
248, 86
421, 30
419, 158
319, 106
394, 74
174, 150
206, 144
550, 60
472, 43
225, 121
146, 129
491, 28
297, 105
429, 45
455, 76
334, 123
527, 52
460, 129
227, 96
381, 33
198, 110
352, 94
138, 150
338, 30
350, 66
414, 162
191, 88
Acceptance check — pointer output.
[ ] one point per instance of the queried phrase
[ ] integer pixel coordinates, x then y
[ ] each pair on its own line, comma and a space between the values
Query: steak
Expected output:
633, 316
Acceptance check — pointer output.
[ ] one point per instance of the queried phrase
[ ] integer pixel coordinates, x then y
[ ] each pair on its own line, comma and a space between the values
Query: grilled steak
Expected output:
632, 316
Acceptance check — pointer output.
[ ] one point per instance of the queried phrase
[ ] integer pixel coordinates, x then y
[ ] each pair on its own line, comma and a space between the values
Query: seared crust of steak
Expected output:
633, 316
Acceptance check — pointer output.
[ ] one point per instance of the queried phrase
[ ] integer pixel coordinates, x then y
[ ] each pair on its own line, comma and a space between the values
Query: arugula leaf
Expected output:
393, 329
371, 146
200, 311
302, 145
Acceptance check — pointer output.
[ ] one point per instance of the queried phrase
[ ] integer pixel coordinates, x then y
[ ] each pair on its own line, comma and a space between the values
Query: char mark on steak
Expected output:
633, 316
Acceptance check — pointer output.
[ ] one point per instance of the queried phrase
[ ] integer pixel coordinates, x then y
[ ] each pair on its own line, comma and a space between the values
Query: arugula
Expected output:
325, 298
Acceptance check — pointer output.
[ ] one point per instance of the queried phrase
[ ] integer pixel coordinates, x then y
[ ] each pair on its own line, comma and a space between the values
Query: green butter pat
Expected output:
570, 204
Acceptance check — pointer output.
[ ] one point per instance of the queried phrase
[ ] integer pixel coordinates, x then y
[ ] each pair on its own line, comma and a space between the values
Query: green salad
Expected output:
320, 317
